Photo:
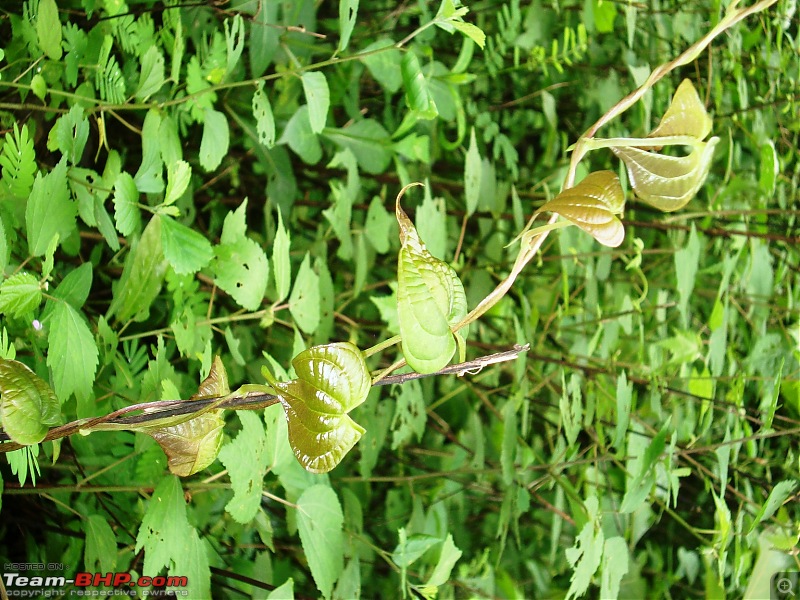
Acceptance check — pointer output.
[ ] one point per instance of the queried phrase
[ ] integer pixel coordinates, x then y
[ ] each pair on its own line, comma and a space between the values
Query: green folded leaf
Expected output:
686, 115
331, 381
193, 445
20, 294
186, 250
28, 407
593, 205
667, 182
318, 97
179, 173
430, 298
18, 162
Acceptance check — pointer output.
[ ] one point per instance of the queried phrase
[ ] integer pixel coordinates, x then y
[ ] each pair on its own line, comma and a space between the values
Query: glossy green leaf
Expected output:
186, 250
319, 522
28, 407
73, 354
262, 113
686, 115
193, 445
318, 97
667, 182
50, 210
142, 276
430, 298
215, 140
20, 294
331, 381
418, 96
593, 205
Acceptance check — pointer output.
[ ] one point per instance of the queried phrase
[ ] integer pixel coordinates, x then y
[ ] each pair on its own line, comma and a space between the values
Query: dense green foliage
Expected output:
181, 181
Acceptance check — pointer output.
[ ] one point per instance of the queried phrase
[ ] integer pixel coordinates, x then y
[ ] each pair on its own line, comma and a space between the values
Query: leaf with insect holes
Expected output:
430, 298
193, 445
28, 407
670, 182
593, 205
331, 381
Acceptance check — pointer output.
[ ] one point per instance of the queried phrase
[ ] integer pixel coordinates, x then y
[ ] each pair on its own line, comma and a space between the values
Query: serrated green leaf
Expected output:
20, 294
304, 301
587, 552
411, 548
369, 142
447, 560
72, 354
430, 298
179, 174
101, 544
614, 567
151, 74
246, 460
69, 134
667, 182
186, 250
319, 522
592, 205
142, 276
472, 174
686, 115
473, 32
409, 415
127, 214
163, 527
301, 138
280, 261
262, 113
215, 140
318, 98
28, 407
48, 29
777, 496
331, 381
50, 210
74, 289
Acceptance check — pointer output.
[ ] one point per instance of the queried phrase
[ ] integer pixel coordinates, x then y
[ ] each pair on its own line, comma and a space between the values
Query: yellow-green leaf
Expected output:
686, 115
593, 205
667, 182
331, 381
430, 298
28, 407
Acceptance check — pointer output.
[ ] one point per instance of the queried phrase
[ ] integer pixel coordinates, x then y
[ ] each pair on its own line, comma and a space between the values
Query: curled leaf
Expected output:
28, 407
686, 115
331, 381
667, 182
430, 299
193, 445
593, 205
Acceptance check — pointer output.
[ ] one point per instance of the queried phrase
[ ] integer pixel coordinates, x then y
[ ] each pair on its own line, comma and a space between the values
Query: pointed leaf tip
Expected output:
686, 115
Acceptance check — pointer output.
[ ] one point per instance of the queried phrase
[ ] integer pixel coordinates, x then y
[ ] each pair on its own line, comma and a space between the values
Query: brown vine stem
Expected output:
249, 400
